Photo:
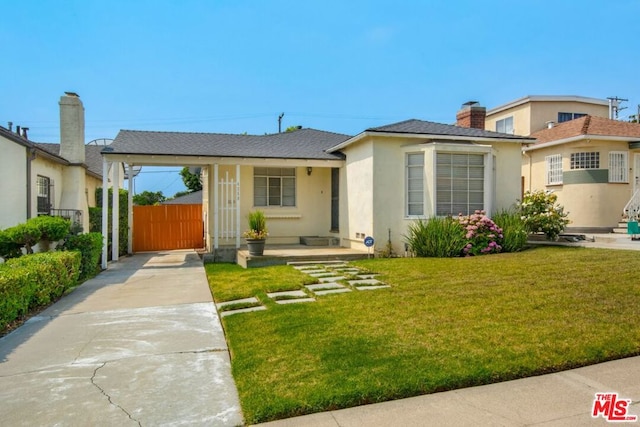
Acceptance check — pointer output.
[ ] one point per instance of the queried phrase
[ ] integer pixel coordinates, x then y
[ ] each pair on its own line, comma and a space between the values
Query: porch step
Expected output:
621, 228
319, 241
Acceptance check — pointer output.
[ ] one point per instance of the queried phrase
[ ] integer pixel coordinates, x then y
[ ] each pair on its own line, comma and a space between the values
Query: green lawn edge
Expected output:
444, 324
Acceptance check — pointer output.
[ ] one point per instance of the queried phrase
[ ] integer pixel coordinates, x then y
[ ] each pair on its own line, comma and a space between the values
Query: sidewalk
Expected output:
560, 399
140, 344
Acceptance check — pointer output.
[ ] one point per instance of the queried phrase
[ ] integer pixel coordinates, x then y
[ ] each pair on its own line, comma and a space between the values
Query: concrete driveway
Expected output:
140, 344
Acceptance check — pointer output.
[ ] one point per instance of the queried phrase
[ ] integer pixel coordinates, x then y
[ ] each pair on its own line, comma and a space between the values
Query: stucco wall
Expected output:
532, 116
13, 183
93, 183
356, 195
521, 119
590, 205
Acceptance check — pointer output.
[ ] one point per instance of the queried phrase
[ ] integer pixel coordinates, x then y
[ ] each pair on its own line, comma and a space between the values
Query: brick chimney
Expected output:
471, 115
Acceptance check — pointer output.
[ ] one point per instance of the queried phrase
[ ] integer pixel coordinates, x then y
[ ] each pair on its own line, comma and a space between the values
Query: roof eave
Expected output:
578, 138
543, 98
364, 134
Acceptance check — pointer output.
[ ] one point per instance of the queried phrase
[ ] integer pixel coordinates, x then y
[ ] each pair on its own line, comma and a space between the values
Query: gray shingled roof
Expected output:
299, 144
194, 198
93, 158
431, 128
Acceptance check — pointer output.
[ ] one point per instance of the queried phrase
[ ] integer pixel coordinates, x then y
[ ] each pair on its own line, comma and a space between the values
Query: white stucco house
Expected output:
317, 183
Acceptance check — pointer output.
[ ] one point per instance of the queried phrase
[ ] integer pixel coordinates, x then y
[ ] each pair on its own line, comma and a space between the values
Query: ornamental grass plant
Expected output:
439, 237
513, 229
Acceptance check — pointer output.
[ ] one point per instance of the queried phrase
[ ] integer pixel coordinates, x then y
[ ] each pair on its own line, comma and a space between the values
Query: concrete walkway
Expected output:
560, 399
140, 344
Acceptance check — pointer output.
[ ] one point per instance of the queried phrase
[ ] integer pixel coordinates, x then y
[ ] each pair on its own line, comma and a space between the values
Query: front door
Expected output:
335, 200
636, 172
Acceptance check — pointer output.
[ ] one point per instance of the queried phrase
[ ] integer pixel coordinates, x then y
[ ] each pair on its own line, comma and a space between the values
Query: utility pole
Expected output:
280, 122
614, 106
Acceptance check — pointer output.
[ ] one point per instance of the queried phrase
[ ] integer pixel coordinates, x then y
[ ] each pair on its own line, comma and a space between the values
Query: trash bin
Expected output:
632, 227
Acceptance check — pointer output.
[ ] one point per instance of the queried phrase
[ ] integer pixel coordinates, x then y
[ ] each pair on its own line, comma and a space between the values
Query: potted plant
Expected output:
257, 233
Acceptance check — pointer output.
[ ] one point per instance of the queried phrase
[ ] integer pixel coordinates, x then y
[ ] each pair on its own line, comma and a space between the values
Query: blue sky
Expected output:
233, 66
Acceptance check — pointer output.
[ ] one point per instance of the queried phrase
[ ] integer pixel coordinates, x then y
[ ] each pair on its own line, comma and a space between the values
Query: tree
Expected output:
147, 198
191, 180
293, 128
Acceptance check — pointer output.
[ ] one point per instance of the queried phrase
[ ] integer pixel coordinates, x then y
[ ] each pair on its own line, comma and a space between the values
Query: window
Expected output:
554, 169
505, 125
586, 160
618, 169
459, 183
415, 184
565, 117
43, 185
274, 186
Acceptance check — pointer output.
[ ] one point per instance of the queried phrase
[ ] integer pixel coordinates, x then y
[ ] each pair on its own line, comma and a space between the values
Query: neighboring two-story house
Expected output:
589, 160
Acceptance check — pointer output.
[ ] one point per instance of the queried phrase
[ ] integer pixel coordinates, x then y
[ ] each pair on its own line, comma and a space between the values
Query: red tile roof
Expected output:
588, 125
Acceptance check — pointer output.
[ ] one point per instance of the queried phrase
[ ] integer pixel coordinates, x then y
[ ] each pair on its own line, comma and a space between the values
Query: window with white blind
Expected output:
415, 184
585, 160
459, 183
554, 169
618, 166
274, 187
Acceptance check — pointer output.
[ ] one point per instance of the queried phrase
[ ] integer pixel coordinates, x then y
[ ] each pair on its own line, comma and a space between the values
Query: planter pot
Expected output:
256, 246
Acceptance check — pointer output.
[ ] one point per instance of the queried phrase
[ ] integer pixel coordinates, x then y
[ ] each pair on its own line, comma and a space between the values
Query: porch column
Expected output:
115, 211
237, 206
105, 212
490, 179
215, 207
130, 208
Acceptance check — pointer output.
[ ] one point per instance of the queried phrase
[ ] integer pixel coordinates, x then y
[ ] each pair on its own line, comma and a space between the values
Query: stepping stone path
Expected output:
328, 273
244, 301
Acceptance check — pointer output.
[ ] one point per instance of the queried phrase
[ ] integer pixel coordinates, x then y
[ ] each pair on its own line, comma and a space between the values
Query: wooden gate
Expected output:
165, 227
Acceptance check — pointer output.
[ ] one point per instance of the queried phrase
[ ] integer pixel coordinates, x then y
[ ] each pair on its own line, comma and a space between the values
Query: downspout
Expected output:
529, 177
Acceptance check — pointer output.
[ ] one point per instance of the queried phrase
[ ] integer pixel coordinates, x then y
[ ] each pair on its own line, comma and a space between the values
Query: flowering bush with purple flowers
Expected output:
482, 234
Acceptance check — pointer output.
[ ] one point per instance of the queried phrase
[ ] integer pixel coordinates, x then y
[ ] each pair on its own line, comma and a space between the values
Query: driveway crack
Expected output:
109, 397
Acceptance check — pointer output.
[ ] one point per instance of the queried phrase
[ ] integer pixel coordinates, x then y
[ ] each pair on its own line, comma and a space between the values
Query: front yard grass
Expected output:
444, 324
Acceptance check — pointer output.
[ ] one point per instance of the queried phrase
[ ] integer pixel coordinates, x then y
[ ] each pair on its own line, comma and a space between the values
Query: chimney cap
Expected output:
72, 94
471, 104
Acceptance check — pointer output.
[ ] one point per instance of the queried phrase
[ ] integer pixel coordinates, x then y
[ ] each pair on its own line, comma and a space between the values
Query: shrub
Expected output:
482, 235
513, 230
9, 248
540, 213
90, 247
26, 235
436, 237
52, 228
34, 280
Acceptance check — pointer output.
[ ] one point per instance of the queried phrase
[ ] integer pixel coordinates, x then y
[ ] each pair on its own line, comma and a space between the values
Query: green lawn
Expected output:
444, 324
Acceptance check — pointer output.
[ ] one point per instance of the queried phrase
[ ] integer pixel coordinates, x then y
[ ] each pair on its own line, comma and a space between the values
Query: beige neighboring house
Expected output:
532, 113
50, 179
593, 165
316, 183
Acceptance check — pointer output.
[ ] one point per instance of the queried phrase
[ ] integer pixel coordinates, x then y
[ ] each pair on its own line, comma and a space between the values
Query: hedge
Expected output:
35, 280
90, 247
